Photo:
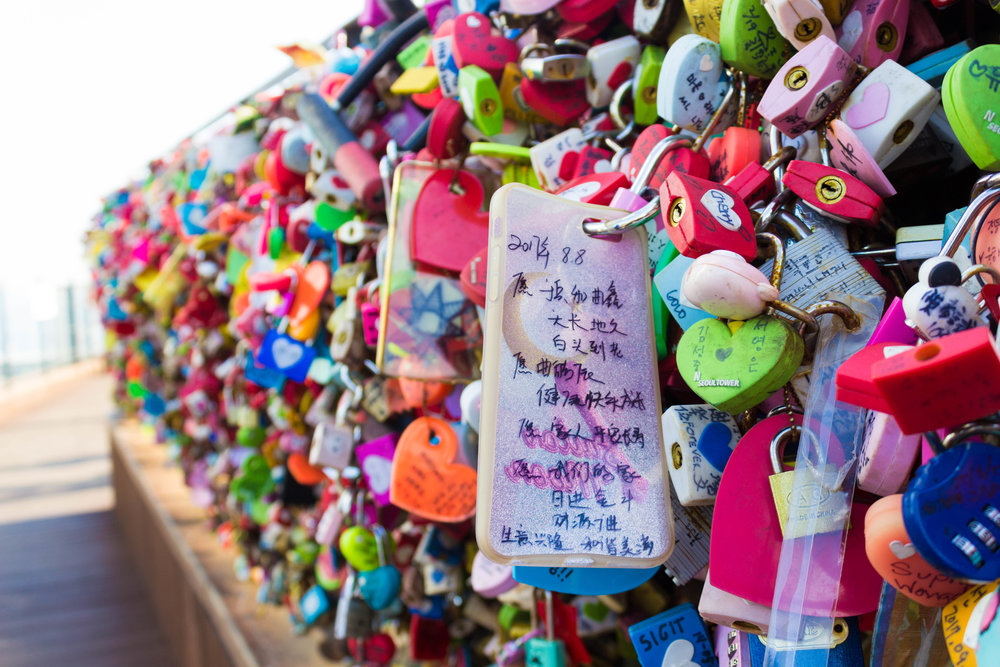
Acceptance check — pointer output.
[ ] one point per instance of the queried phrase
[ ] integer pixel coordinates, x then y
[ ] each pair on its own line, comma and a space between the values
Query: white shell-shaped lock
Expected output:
723, 284
938, 304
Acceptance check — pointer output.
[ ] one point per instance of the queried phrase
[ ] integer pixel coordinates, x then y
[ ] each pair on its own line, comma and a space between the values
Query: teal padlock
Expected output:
380, 587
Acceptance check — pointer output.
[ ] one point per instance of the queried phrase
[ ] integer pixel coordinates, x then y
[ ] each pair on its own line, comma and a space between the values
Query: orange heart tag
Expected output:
425, 479
313, 283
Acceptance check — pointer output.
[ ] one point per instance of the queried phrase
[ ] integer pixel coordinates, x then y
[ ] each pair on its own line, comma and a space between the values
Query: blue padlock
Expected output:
583, 580
845, 653
668, 283
314, 603
952, 512
674, 638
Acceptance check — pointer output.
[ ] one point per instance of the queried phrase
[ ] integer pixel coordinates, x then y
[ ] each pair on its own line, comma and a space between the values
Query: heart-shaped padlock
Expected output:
967, 96
380, 586
448, 226
740, 546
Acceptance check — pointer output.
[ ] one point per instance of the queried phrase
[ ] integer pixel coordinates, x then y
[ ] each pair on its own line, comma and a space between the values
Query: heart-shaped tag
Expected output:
475, 42
895, 557
874, 104
740, 545
735, 372
713, 443
375, 459
449, 228
968, 95
380, 587
425, 479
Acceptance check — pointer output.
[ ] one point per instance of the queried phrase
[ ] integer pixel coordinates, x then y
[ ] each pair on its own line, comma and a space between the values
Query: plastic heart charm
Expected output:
426, 481
449, 228
735, 372
380, 587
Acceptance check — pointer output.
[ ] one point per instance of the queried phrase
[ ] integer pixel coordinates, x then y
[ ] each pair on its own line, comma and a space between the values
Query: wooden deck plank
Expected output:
69, 592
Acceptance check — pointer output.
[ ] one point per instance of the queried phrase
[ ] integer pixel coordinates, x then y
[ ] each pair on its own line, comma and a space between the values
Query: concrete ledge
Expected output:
210, 618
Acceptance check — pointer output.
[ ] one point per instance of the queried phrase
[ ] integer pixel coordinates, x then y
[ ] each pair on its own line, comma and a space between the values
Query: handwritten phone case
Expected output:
572, 470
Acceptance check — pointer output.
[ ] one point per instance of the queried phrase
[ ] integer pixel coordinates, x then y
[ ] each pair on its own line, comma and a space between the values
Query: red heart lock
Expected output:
559, 102
683, 160
584, 11
746, 537
475, 42
449, 228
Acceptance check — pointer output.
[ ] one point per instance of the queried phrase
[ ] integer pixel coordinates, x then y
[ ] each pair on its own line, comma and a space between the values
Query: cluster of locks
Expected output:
592, 332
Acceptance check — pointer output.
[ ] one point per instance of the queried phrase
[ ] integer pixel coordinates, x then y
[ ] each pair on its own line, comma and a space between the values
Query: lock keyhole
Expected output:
830, 189
796, 78
676, 211
886, 36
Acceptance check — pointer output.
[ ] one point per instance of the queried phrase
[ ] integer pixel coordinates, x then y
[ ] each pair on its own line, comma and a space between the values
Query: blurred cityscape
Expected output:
45, 327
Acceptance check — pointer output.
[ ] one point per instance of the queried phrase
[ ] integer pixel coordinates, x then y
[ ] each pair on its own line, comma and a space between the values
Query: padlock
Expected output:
480, 99
965, 94
512, 98
611, 63
701, 216
888, 109
833, 193
723, 284
444, 136
749, 40
896, 558
333, 441
818, 506
873, 33
476, 42
807, 87
551, 65
380, 586
547, 156
682, 158
732, 646
951, 512
652, 20
944, 382
886, 455
353, 617
675, 637
699, 440
691, 84
938, 305
547, 652
583, 11
732, 611
799, 21
737, 148
647, 79
668, 281
834, 645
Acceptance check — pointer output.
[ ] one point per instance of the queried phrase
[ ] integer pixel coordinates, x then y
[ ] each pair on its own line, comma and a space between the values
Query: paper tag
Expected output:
571, 460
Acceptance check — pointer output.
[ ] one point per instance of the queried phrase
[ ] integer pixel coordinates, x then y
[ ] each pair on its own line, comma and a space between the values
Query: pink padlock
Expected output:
873, 32
718, 606
807, 87
370, 321
886, 455
723, 284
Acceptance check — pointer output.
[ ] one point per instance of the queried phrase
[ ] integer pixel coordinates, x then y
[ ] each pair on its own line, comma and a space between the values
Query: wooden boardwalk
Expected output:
68, 592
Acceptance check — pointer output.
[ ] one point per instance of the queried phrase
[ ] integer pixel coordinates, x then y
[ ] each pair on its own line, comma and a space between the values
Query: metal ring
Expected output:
770, 210
833, 307
976, 269
781, 437
986, 182
778, 249
809, 323
784, 410
619, 225
531, 48
571, 44
969, 430
784, 155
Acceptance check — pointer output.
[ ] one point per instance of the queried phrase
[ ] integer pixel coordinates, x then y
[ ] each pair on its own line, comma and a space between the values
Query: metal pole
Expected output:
74, 355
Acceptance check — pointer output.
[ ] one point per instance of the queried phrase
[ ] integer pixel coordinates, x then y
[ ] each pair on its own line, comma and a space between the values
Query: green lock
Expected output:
275, 242
520, 173
501, 151
251, 436
968, 96
253, 479
480, 99
750, 41
415, 54
330, 219
647, 78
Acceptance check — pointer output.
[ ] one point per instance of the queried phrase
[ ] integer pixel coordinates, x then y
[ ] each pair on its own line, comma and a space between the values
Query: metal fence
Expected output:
45, 327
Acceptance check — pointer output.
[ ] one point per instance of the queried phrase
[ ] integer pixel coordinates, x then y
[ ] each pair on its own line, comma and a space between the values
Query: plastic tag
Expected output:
572, 467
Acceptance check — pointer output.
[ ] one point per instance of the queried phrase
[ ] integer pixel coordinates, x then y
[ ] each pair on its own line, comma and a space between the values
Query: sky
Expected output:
93, 90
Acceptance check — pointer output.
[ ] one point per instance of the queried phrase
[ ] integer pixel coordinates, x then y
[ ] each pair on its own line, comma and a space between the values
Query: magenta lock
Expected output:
370, 319
807, 87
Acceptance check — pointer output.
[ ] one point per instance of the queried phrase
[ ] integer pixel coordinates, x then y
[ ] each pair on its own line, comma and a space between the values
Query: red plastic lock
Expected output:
833, 192
735, 149
559, 102
444, 136
476, 42
588, 160
683, 160
429, 638
753, 184
701, 216
597, 189
584, 11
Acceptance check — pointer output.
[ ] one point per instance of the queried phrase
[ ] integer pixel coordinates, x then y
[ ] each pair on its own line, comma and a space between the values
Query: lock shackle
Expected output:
809, 324
717, 115
977, 269
851, 320
972, 218
615, 108
653, 160
381, 540
781, 438
968, 430
778, 160
774, 212
785, 410
777, 253
648, 212
550, 626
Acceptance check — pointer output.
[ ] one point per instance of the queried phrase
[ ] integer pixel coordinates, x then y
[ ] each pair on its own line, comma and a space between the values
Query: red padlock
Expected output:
734, 150
833, 192
684, 160
597, 189
559, 102
701, 216
444, 136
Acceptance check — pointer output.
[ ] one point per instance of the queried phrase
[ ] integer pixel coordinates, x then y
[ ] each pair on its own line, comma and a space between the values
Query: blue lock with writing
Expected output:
583, 580
674, 638
952, 512
668, 283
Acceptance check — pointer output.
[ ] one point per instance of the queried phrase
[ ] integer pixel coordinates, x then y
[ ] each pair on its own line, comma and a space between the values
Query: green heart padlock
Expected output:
968, 94
749, 39
360, 548
736, 371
